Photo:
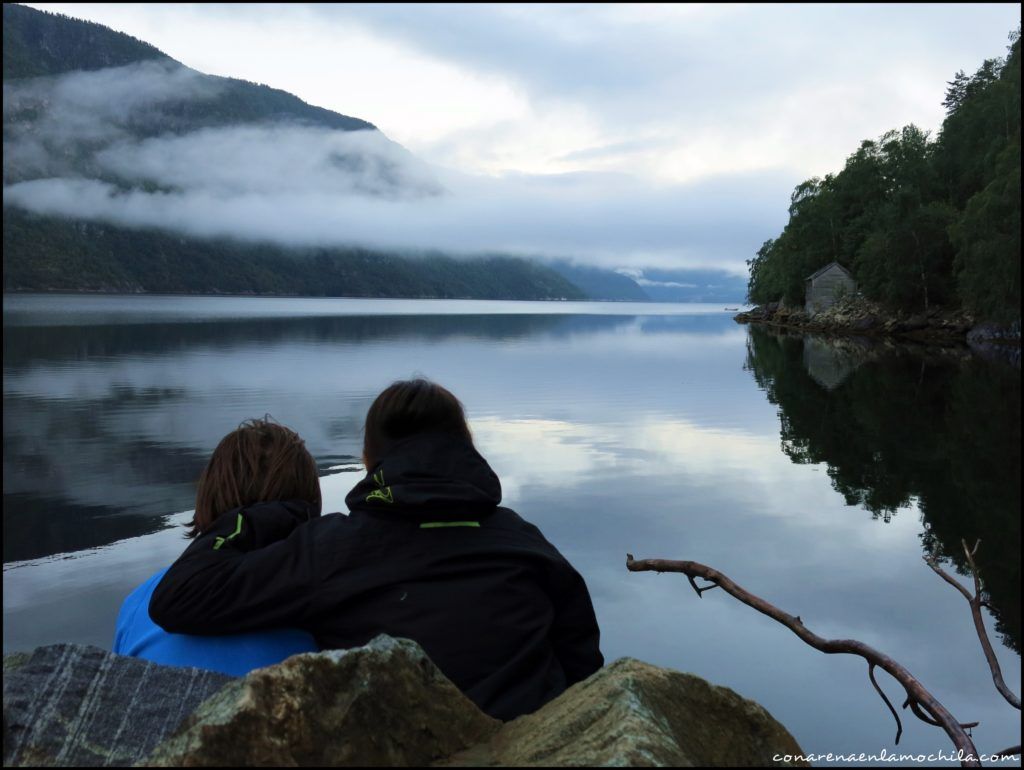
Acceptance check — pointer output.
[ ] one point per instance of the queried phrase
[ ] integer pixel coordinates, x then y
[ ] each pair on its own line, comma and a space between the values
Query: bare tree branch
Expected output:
881, 693
917, 695
1013, 751
977, 603
916, 709
700, 589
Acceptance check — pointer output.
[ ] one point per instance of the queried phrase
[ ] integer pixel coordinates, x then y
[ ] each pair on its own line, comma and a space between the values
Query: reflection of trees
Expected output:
94, 458
941, 429
29, 345
73, 479
39, 525
26, 345
76, 473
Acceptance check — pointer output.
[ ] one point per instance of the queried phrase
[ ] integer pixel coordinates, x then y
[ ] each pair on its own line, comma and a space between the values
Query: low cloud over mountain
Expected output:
151, 145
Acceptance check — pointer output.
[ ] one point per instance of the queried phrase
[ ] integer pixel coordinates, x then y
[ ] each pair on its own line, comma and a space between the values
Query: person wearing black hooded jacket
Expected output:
426, 553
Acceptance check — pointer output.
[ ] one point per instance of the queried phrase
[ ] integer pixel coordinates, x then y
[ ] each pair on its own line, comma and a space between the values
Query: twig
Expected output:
917, 695
881, 693
916, 709
700, 589
977, 603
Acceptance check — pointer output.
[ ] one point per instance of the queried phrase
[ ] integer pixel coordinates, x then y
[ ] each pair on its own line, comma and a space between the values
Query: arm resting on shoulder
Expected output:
219, 586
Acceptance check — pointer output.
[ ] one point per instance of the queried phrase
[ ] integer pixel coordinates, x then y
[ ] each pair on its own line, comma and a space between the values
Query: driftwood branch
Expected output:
884, 697
923, 703
977, 602
916, 709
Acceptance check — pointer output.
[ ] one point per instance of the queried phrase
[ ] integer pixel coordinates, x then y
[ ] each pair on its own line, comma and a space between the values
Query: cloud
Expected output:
52, 123
646, 135
669, 284
556, 88
718, 87
79, 146
281, 161
588, 220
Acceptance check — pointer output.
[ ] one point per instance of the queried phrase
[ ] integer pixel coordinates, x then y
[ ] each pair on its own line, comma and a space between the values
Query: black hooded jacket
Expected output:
426, 554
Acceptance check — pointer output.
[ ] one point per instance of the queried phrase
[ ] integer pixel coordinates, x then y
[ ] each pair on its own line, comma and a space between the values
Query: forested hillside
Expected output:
75, 92
919, 221
52, 254
37, 43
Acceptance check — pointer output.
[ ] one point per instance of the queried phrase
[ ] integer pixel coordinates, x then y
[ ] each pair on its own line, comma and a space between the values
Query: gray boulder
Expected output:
865, 324
913, 324
73, 705
984, 332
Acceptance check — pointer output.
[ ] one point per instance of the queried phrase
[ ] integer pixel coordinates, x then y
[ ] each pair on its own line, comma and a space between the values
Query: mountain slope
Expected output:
601, 284
693, 285
52, 254
88, 108
38, 43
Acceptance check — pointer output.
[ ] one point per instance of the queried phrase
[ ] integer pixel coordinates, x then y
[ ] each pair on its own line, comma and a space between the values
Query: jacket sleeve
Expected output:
575, 635
229, 580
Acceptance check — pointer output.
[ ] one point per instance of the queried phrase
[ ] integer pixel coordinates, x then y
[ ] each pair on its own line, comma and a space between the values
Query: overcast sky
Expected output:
717, 109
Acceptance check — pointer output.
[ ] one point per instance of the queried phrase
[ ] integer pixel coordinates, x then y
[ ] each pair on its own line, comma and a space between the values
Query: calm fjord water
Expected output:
813, 474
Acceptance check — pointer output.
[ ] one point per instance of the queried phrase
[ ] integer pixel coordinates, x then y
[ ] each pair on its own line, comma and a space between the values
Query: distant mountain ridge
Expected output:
600, 284
692, 285
46, 252
38, 43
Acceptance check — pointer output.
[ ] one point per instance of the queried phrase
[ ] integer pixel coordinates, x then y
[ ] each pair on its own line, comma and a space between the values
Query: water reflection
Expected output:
29, 345
107, 425
610, 430
937, 428
830, 362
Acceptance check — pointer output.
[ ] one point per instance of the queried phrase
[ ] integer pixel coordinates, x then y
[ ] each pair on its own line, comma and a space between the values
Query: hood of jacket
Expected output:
428, 477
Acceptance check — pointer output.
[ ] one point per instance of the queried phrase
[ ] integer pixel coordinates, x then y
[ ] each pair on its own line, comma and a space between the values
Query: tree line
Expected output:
919, 222
44, 253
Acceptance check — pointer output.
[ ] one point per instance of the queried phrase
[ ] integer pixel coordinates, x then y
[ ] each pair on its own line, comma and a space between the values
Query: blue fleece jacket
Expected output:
236, 654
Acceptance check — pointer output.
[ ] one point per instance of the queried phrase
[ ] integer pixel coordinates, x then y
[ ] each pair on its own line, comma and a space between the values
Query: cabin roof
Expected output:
826, 268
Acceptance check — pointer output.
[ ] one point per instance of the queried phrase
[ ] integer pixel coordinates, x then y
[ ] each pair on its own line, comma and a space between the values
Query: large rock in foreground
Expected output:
385, 704
382, 704
75, 706
634, 714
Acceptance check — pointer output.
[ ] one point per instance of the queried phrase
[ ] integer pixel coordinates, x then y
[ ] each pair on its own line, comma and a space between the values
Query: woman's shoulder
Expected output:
134, 613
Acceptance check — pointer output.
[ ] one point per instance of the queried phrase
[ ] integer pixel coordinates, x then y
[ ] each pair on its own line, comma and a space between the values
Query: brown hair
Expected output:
261, 461
408, 407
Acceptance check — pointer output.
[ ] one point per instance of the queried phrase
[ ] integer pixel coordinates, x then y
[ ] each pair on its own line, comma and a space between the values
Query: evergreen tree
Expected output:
919, 222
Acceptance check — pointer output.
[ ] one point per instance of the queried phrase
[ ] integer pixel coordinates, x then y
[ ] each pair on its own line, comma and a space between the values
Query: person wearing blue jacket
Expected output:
262, 467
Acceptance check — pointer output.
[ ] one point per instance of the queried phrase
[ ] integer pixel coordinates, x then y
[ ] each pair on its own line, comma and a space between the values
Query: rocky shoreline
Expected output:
863, 318
384, 704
